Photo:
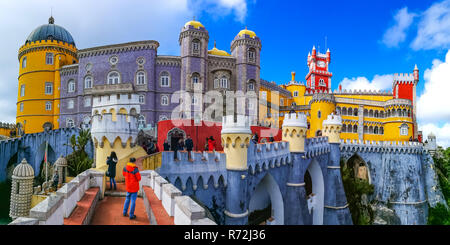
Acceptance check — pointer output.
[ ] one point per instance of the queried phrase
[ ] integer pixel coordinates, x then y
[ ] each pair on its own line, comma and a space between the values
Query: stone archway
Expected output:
266, 202
360, 168
174, 135
314, 184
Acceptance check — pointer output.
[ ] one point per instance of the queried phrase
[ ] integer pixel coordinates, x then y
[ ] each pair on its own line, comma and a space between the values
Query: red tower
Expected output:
318, 77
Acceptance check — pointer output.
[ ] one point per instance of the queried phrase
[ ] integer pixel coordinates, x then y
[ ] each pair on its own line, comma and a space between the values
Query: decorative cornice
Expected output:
168, 61
47, 47
245, 41
118, 48
195, 33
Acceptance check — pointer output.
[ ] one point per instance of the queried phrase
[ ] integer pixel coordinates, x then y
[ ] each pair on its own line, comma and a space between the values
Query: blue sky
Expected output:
369, 41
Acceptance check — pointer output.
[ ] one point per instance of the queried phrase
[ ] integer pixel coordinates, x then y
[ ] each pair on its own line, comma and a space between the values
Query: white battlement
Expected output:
241, 126
116, 102
333, 120
295, 120
404, 77
359, 91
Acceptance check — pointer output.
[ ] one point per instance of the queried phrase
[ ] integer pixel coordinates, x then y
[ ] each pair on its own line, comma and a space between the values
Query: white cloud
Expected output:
379, 82
94, 23
397, 33
220, 8
434, 28
442, 133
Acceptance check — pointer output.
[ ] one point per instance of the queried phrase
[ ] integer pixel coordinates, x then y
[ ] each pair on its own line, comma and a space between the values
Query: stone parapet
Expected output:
382, 146
187, 211
159, 182
25, 221
168, 198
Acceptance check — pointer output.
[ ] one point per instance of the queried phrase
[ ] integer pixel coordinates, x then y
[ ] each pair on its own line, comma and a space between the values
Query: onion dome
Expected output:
50, 32
23, 170
194, 23
219, 52
61, 162
249, 33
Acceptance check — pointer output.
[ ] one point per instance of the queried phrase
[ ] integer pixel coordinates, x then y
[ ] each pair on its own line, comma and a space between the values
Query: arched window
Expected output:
381, 130
49, 59
344, 128
251, 87
371, 130
399, 112
163, 117
375, 130
22, 90
71, 86
350, 111
196, 45
322, 82
355, 112
371, 113
405, 113
21, 106
319, 114
366, 129
344, 111
366, 112
404, 129
251, 55
24, 62
409, 113
376, 114
195, 78
216, 82
355, 128
295, 93
381, 114
70, 104
48, 88
224, 82
388, 113
338, 110
70, 123
113, 77
165, 79
140, 78
141, 121
88, 82
164, 100
48, 106
142, 98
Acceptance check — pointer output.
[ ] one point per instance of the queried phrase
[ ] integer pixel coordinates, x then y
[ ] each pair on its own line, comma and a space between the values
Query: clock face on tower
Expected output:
321, 63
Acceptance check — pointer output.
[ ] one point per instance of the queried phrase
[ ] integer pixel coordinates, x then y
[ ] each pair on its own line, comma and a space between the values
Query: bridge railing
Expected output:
60, 205
152, 162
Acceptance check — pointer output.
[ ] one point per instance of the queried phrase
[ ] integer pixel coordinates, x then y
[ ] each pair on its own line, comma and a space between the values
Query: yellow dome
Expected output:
219, 52
252, 34
194, 23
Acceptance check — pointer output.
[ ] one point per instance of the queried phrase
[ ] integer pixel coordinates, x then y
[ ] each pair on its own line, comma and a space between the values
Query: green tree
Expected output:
355, 189
440, 214
79, 161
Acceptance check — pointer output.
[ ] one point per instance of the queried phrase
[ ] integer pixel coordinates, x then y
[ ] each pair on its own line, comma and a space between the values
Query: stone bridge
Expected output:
32, 148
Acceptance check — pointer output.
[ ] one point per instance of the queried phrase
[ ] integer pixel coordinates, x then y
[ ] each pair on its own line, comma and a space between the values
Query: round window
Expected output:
113, 60
140, 61
88, 67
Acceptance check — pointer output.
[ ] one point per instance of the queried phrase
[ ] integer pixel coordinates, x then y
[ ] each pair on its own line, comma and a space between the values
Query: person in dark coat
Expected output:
166, 145
271, 139
180, 144
189, 145
206, 144
255, 138
112, 162
174, 148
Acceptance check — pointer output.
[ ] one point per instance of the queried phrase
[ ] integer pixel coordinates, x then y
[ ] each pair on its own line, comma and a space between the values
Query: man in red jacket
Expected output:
132, 178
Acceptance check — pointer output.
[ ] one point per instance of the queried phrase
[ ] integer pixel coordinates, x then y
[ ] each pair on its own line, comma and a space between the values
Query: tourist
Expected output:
175, 149
111, 161
255, 138
207, 144
311, 202
211, 144
132, 178
189, 145
271, 139
55, 180
166, 145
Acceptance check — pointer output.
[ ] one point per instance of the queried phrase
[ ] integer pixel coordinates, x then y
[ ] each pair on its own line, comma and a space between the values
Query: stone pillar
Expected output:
336, 210
235, 140
294, 131
21, 190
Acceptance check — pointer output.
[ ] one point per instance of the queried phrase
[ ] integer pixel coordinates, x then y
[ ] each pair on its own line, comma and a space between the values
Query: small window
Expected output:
48, 106
140, 78
404, 129
224, 82
216, 83
21, 106
88, 82
194, 100
70, 104
22, 90
281, 102
251, 86
295, 93
87, 102
195, 78
24, 62
164, 100
319, 114
141, 121
49, 59
70, 123
142, 99
165, 79
251, 55
48, 88
196, 46
113, 78
322, 82
71, 86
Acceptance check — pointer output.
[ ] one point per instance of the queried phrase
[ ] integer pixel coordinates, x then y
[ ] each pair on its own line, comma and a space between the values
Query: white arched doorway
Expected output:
268, 194
314, 183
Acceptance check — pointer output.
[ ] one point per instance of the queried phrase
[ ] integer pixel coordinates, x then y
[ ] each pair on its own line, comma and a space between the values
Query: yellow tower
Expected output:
235, 139
332, 128
294, 131
322, 105
46, 50
114, 128
398, 125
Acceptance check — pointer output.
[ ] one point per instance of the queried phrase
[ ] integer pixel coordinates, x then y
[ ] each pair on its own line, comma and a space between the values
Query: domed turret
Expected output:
50, 32
21, 190
249, 33
194, 23
23, 170
218, 52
